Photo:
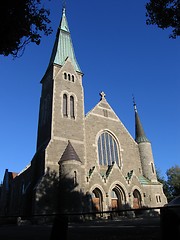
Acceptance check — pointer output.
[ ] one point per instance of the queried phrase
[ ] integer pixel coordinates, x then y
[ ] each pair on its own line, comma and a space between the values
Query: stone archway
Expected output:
97, 200
117, 198
137, 199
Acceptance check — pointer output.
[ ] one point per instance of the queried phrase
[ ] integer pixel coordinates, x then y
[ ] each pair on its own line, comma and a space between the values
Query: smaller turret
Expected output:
70, 180
145, 149
70, 164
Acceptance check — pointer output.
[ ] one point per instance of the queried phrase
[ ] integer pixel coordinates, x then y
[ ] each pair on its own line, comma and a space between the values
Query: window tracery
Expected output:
108, 149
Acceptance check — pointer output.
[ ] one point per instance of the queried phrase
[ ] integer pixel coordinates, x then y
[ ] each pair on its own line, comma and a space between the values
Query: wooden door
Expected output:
96, 204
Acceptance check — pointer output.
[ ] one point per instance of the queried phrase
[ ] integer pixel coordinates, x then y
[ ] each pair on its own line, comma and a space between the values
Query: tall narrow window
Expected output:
108, 149
152, 167
72, 107
65, 114
65, 75
75, 178
105, 112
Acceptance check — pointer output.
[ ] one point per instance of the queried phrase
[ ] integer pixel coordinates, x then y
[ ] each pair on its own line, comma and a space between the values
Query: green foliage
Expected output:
22, 22
171, 186
162, 180
164, 14
173, 180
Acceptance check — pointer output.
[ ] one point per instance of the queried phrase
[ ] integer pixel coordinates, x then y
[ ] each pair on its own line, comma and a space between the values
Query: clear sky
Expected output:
118, 54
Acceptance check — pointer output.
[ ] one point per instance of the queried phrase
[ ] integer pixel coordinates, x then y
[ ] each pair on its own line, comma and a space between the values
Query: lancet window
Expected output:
68, 108
108, 150
65, 103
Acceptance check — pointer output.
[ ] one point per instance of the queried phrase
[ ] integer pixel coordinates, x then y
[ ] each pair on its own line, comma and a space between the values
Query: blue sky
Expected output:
118, 54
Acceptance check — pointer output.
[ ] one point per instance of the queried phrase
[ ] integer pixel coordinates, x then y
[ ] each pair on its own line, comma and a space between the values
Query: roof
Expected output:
14, 174
140, 135
8, 178
63, 47
144, 181
69, 154
10, 175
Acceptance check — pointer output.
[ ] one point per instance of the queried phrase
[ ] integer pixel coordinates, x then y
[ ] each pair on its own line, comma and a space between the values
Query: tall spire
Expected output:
63, 47
139, 131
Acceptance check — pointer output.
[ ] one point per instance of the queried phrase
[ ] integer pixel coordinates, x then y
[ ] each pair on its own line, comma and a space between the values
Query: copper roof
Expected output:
63, 47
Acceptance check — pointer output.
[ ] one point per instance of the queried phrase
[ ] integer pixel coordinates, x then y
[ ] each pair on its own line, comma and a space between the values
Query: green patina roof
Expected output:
63, 47
144, 181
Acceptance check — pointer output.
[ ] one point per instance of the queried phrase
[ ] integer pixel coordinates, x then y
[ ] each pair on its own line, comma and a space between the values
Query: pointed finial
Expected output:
102, 94
134, 103
64, 5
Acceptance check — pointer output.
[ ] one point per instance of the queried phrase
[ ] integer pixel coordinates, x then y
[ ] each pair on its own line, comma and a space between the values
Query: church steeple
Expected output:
63, 47
145, 150
140, 135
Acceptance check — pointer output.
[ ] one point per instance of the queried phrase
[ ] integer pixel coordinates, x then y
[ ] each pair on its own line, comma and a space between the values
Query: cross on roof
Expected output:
102, 94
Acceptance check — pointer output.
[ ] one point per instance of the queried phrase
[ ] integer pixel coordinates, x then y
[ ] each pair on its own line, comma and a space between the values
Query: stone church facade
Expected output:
85, 162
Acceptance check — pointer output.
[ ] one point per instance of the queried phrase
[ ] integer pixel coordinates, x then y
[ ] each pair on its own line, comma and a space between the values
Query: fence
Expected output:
120, 224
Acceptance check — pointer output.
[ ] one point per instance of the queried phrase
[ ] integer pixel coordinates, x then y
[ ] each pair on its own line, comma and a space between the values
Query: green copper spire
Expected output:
139, 131
63, 47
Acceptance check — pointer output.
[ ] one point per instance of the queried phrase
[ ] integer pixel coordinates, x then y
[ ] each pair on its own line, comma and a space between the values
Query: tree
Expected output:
162, 180
22, 22
165, 14
171, 186
173, 180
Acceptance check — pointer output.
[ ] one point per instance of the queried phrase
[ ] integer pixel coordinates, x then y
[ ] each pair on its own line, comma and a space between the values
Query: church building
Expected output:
83, 162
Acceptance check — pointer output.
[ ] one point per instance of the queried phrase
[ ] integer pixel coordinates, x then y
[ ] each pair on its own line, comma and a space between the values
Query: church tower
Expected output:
61, 114
62, 97
145, 149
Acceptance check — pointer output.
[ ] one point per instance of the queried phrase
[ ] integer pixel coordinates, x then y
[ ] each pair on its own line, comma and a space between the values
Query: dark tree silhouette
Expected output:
165, 14
173, 180
162, 180
171, 186
22, 22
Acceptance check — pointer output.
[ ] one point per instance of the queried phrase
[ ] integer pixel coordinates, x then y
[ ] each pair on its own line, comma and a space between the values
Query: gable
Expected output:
106, 118
104, 110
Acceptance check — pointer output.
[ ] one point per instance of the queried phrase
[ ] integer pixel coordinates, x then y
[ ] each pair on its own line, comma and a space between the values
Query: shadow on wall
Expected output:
57, 195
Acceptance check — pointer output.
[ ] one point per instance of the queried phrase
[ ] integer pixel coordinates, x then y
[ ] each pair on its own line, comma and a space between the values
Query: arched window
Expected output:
72, 78
72, 107
65, 75
107, 149
152, 167
69, 77
65, 110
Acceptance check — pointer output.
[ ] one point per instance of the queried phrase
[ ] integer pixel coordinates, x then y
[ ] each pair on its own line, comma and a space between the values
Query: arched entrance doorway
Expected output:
136, 199
97, 200
117, 198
